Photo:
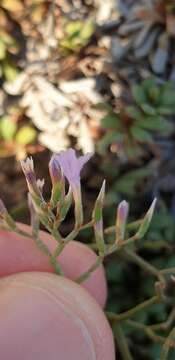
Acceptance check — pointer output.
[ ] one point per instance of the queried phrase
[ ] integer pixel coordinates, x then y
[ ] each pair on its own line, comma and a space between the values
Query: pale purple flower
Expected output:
72, 166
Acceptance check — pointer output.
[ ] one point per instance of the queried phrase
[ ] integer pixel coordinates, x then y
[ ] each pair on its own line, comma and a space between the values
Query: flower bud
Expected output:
58, 183
122, 214
54, 170
28, 170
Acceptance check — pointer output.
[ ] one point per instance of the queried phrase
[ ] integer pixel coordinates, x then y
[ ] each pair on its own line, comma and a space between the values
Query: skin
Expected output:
20, 254
48, 317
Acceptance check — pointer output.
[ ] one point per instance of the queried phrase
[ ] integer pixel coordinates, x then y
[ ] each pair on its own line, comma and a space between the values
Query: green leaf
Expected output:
73, 28
110, 121
154, 123
87, 29
166, 110
133, 150
140, 134
148, 84
10, 71
133, 112
148, 109
128, 182
167, 97
26, 135
2, 49
154, 94
139, 94
7, 128
10, 43
78, 34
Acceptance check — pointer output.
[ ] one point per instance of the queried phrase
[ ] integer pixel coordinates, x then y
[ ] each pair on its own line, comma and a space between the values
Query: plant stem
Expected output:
129, 254
167, 345
40, 244
167, 271
122, 342
59, 249
166, 324
86, 226
72, 235
56, 265
131, 312
86, 274
23, 233
132, 226
148, 331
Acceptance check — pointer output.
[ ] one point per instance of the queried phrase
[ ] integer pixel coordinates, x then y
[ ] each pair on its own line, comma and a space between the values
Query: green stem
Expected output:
55, 233
23, 233
40, 244
131, 255
56, 265
131, 312
132, 226
167, 271
165, 325
72, 235
122, 342
86, 226
86, 274
169, 343
148, 331
59, 249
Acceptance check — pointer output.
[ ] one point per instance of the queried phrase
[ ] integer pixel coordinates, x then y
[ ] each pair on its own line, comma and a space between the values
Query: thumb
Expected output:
44, 316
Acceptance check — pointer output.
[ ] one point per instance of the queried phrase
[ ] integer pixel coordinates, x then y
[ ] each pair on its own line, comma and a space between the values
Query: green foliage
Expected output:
77, 35
155, 99
7, 128
25, 135
8, 46
14, 139
129, 128
128, 183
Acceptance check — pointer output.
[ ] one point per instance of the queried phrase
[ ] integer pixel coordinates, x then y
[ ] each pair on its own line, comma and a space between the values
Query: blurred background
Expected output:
98, 76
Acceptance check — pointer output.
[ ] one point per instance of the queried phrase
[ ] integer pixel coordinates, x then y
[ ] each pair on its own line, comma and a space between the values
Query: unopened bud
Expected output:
28, 170
58, 183
54, 170
122, 214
